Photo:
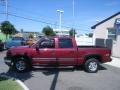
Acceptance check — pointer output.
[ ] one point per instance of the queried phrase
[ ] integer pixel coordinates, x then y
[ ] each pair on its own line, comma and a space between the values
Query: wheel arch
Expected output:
27, 58
96, 56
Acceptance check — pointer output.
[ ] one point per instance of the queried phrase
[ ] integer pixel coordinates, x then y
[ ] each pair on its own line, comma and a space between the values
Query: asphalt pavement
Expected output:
107, 78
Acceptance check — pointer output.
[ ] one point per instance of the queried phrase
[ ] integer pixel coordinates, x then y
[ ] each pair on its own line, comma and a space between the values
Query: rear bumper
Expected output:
7, 61
107, 60
110, 59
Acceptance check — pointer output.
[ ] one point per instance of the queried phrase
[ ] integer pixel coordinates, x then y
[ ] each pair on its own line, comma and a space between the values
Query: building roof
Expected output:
93, 27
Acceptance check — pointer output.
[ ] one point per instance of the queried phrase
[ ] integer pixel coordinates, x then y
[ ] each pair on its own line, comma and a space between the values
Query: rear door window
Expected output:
65, 43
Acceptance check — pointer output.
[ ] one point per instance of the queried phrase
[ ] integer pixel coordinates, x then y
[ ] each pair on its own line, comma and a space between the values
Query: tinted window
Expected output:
65, 43
47, 43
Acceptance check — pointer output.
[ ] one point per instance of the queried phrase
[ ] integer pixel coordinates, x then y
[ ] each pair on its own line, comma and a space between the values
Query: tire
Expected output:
1, 47
91, 65
20, 64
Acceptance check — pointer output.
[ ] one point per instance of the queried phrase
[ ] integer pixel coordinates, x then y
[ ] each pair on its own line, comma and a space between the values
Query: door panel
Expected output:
65, 57
46, 53
44, 57
66, 53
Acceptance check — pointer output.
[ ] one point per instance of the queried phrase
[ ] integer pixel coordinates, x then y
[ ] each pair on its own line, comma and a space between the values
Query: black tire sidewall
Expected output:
19, 59
86, 65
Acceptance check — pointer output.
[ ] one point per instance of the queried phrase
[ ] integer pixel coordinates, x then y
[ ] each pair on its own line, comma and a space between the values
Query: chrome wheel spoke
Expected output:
93, 66
20, 65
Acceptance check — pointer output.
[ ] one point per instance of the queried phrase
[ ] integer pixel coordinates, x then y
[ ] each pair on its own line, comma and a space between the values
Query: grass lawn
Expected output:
9, 84
3, 37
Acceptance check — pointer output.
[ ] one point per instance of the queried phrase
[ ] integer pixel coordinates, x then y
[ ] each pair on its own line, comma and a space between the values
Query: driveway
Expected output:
107, 78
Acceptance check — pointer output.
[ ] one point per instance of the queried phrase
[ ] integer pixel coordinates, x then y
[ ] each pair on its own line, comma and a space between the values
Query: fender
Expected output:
97, 56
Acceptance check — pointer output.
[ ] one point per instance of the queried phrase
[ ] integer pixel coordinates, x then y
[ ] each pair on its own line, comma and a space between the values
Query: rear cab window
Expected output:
65, 43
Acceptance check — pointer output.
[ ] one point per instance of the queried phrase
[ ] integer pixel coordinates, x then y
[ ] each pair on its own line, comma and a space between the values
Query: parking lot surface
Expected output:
66, 78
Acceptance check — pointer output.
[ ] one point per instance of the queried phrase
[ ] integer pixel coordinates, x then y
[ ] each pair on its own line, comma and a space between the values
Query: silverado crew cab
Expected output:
58, 51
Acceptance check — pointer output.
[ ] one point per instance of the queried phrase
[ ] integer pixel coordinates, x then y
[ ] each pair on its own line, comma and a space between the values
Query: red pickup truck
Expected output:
58, 51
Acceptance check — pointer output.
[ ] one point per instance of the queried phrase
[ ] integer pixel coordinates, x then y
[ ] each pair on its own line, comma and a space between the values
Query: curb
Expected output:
17, 81
22, 84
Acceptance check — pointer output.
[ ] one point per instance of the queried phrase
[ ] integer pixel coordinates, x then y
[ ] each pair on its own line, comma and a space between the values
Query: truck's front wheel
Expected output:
91, 65
20, 64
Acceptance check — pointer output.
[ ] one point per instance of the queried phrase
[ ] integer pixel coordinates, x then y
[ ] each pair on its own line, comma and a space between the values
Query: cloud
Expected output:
114, 3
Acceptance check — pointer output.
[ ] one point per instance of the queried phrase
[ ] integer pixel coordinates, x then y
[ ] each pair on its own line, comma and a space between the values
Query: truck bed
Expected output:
90, 47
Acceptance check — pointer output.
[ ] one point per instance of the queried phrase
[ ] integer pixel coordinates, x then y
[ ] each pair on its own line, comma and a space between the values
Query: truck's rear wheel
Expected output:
20, 64
91, 65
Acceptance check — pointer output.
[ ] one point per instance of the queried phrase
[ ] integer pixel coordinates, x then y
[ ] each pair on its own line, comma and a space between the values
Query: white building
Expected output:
106, 30
84, 40
64, 32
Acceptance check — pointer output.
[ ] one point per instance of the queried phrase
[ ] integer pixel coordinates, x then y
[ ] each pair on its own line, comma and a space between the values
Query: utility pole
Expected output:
73, 5
6, 7
60, 11
73, 8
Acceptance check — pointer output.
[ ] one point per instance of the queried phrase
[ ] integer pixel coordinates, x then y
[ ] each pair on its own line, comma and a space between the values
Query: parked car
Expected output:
1, 45
58, 51
15, 41
30, 42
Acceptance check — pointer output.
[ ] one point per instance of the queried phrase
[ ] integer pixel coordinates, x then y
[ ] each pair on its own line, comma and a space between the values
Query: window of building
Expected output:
112, 33
65, 43
117, 23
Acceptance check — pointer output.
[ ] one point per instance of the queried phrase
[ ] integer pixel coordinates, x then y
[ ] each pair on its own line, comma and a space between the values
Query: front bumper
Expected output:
7, 61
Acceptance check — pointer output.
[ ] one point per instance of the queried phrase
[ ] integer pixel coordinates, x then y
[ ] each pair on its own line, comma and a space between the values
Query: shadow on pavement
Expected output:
102, 67
53, 85
20, 76
54, 71
46, 71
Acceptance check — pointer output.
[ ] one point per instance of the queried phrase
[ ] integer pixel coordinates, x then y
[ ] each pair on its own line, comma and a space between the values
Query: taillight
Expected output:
108, 53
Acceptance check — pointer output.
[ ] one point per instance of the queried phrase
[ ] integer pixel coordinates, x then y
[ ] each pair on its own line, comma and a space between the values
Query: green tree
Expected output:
48, 31
72, 32
31, 36
89, 34
7, 28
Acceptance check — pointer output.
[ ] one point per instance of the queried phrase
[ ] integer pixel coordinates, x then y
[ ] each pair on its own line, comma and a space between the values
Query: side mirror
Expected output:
37, 48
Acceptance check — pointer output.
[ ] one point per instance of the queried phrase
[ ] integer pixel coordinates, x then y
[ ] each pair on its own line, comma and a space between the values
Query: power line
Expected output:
29, 18
25, 11
36, 20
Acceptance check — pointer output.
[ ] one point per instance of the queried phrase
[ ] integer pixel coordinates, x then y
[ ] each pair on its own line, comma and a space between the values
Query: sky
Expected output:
33, 15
